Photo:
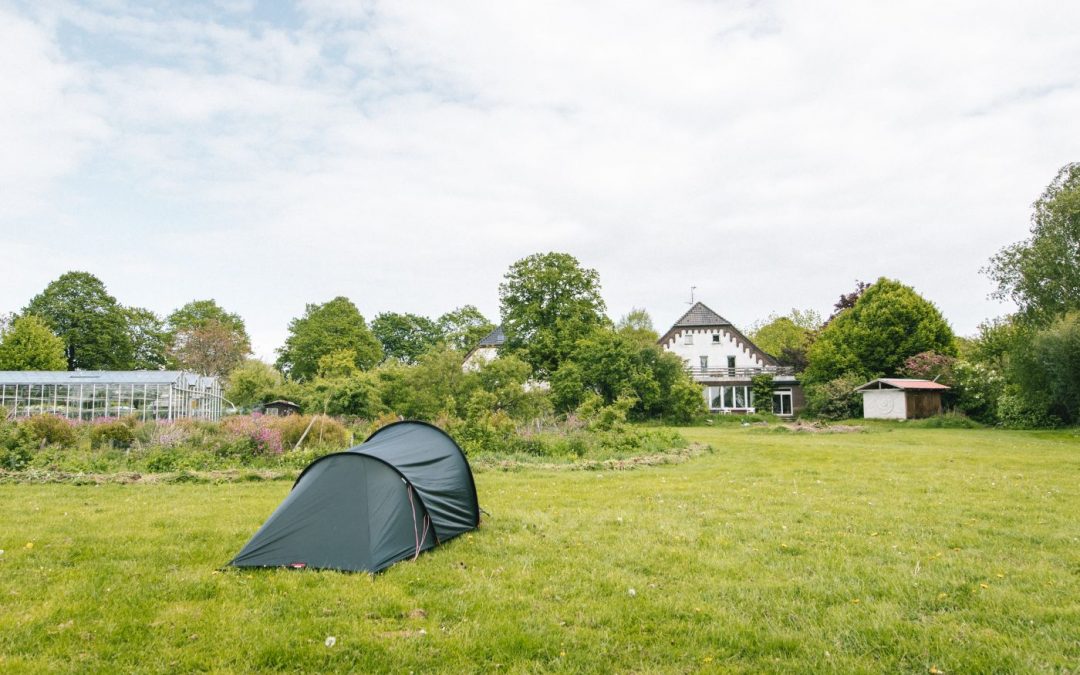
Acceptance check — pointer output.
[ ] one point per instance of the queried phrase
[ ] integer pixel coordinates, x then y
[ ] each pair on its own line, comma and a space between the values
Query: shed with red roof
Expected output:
893, 398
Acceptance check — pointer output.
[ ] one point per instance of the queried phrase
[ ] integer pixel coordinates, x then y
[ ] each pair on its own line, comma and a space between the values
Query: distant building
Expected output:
724, 361
892, 398
89, 394
487, 349
279, 408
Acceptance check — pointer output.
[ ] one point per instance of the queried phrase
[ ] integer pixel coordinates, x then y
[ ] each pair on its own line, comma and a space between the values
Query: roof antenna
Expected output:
692, 289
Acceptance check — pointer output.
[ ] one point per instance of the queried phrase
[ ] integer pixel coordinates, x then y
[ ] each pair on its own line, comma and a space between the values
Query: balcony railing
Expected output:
710, 374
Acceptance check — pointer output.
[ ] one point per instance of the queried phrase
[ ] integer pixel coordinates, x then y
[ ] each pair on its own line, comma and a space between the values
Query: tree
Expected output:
405, 336
887, 324
205, 338
638, 326
788, 337
324, 329
610, 365
251, 383
1046, 369
149, 338
337, 364
28, 344
848, 300
201, 312
1042, 273
92, 324
548, 302
209, 349
464, 327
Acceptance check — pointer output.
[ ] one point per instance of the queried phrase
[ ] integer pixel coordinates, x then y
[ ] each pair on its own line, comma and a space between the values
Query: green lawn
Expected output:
896, 550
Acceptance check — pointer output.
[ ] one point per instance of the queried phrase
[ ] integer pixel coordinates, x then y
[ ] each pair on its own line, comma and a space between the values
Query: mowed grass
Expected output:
895, 550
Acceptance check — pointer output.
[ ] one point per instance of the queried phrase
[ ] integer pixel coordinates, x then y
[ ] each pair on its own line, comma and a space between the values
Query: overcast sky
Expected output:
405, 154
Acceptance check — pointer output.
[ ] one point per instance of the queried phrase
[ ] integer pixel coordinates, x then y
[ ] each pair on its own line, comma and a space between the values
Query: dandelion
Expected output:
29, 544
632, 593
330, 641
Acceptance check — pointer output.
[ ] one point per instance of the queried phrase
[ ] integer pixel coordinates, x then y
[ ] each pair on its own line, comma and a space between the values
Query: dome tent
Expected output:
405, 489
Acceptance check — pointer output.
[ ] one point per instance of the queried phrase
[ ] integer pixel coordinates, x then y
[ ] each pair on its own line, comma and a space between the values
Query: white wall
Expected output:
718, 352
884, 404
479, 357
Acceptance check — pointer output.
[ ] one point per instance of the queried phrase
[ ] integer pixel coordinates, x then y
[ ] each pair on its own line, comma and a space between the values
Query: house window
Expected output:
688, 339
724, 398
716, 338
704, 363
731, 362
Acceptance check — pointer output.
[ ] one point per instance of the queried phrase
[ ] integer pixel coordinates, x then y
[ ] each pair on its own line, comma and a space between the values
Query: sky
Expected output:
765, 154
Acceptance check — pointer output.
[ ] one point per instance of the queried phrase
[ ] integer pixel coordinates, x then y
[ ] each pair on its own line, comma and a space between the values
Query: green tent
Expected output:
405, 489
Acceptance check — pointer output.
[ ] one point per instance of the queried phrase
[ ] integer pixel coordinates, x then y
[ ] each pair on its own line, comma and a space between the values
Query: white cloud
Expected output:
405, 154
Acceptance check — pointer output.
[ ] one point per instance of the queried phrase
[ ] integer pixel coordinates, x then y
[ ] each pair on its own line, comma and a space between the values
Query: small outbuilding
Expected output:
279, 408
892, 398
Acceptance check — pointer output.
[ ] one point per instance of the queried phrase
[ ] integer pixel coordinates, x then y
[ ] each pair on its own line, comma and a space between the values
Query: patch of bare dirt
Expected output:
822, 428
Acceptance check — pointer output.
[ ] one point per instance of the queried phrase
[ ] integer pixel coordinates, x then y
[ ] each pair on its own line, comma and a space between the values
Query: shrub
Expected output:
1017, 412
835, 399
16, 446
948, 420
685, 403
112, 432
978, 389
52, 430
250, 435
325, 431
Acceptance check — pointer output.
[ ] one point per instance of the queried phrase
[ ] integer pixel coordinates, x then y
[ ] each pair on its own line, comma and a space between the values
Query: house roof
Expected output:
902, 383
493, 339
700, 315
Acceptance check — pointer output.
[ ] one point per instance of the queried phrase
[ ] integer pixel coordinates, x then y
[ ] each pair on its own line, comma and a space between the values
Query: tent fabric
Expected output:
407, 488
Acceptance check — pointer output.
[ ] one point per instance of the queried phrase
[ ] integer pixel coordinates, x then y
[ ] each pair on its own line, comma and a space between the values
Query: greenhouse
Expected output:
90, 394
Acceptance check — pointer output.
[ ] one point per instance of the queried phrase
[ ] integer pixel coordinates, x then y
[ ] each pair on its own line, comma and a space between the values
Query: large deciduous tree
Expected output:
464, 327
324, 329
788, 337
548, 301
405, 337
637, 325
205, 338
1042, 273
92, 324
887, 324
149, 338
209, 349
28, 344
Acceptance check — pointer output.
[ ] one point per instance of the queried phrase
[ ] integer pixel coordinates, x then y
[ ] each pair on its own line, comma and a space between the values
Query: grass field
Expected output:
895, 550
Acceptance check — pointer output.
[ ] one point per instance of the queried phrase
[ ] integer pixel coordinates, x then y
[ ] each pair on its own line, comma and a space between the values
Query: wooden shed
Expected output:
279, 408
891, 398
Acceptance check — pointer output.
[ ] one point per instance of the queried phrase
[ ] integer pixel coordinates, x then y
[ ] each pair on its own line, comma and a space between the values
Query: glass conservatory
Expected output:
89, 394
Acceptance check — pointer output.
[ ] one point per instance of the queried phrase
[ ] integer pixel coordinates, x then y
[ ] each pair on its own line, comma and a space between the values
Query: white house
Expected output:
724, 361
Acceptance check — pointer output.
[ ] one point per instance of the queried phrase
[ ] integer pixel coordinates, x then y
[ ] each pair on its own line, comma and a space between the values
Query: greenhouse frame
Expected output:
90, 394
